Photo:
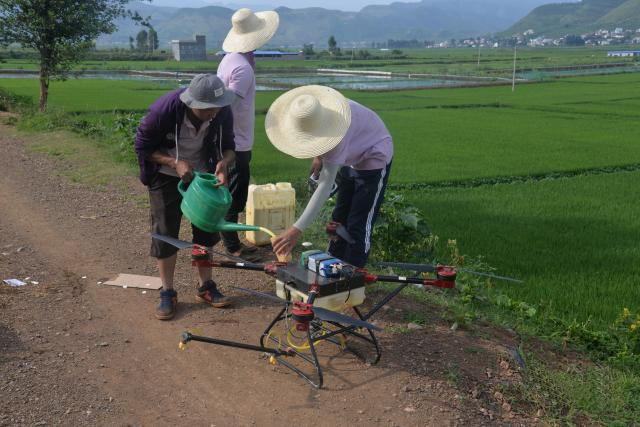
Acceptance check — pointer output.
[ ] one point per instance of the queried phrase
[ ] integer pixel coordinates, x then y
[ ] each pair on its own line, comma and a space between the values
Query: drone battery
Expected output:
324, 264
304, 256
329, 267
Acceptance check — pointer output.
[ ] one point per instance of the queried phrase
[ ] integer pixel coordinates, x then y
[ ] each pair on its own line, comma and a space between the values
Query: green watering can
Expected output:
206, 205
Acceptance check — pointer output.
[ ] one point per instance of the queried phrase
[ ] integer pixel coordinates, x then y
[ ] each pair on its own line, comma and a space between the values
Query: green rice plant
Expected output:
572, 240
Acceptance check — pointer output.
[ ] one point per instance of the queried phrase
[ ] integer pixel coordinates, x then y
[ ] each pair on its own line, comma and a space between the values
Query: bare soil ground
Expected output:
74, 352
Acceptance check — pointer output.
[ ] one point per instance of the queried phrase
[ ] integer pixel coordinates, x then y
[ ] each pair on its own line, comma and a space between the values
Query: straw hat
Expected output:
250, 30
308, 121
207, 91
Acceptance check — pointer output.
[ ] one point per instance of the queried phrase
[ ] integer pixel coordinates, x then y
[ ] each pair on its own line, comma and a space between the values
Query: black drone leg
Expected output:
317, 382
271, 325
312, 359
316, 362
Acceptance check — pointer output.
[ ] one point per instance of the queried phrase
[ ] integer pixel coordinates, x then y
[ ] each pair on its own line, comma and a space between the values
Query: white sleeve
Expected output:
325, 182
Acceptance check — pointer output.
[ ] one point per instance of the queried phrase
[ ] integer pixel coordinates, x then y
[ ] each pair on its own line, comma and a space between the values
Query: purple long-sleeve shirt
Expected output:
159, 129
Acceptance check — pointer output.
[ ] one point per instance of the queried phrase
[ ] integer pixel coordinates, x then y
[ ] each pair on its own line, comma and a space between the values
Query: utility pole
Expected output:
515, 54
479, 46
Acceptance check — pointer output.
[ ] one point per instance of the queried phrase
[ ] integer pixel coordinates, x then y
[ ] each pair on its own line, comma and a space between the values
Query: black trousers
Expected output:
164, 203
239, 176
360, 196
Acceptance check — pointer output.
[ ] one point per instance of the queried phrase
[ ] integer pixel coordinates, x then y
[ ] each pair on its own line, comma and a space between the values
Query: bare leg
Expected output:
205, 273
167, 267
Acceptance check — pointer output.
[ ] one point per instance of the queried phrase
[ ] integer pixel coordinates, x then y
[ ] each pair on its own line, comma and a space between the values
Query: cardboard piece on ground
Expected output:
135, 281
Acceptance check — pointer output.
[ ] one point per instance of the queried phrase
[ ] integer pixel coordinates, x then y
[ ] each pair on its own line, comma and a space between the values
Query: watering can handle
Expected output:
182, 187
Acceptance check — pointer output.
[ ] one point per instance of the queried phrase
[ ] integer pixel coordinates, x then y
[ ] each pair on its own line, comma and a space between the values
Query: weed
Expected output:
453, 374
602, 395
415, 317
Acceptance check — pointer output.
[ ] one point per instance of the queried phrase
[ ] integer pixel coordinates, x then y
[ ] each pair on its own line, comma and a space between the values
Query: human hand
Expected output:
316, 167
222, 168
184, 170
284, 243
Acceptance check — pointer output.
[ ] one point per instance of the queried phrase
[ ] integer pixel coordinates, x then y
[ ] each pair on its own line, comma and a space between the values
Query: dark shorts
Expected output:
164, 202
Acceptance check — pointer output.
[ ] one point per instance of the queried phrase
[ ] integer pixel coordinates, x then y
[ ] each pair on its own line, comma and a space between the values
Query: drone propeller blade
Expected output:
180, 244
493, 276
341, 231
332, 316
428, 268
420, 268
262, 294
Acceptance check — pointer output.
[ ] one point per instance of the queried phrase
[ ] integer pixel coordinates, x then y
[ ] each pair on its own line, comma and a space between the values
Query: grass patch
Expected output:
582, 395
88, 164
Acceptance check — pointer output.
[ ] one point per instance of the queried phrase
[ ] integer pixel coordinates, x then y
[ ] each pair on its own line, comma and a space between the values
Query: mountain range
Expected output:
423, 20
435, 20
577, 18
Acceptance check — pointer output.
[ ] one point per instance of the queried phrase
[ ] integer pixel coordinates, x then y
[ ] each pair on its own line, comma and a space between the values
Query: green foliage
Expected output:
307, 49
400, 232
59, 31
581, 395
153, 39
142, 40
9, 101
333, 46
626, 333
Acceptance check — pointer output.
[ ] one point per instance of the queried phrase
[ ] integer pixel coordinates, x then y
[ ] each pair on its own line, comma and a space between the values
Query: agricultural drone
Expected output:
312, 292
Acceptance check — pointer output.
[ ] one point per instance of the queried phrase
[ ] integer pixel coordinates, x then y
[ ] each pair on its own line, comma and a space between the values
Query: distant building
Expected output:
190, 50
623, 53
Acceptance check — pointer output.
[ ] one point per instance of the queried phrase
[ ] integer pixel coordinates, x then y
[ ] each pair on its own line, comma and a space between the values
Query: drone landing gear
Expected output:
317, 332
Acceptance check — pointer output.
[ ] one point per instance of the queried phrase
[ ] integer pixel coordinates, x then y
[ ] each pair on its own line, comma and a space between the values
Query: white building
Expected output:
190, 50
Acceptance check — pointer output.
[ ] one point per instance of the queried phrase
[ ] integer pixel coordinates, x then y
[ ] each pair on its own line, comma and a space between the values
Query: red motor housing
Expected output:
302, 314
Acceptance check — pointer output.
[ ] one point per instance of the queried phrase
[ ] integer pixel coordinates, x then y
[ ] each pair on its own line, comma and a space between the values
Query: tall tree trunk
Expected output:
44, 91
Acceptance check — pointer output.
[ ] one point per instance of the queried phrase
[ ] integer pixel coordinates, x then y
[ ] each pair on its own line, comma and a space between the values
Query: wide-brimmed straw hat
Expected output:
250, 30
207, 91
308, 121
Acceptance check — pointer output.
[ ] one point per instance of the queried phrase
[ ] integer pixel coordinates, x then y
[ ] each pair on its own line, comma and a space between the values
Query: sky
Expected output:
350, 5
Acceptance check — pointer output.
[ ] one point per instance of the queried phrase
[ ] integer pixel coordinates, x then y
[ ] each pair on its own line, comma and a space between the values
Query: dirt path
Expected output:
73, 352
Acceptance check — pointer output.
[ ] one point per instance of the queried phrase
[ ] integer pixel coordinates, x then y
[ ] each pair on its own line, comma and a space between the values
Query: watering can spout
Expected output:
232, 226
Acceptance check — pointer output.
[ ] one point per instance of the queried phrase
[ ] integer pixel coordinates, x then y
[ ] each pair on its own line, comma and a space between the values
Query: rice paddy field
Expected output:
469, 61
543, 182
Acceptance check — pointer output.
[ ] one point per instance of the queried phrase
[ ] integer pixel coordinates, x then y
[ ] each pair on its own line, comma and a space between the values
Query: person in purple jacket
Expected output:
184, 130
249, 32
345, 139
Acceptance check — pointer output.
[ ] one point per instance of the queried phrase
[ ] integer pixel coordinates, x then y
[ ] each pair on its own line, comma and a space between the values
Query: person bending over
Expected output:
343, 137
185, 130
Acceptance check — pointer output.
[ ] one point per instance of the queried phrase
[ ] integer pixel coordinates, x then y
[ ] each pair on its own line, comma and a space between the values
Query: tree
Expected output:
307, 49
153, 39
59, 30
142, 39
333, 45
